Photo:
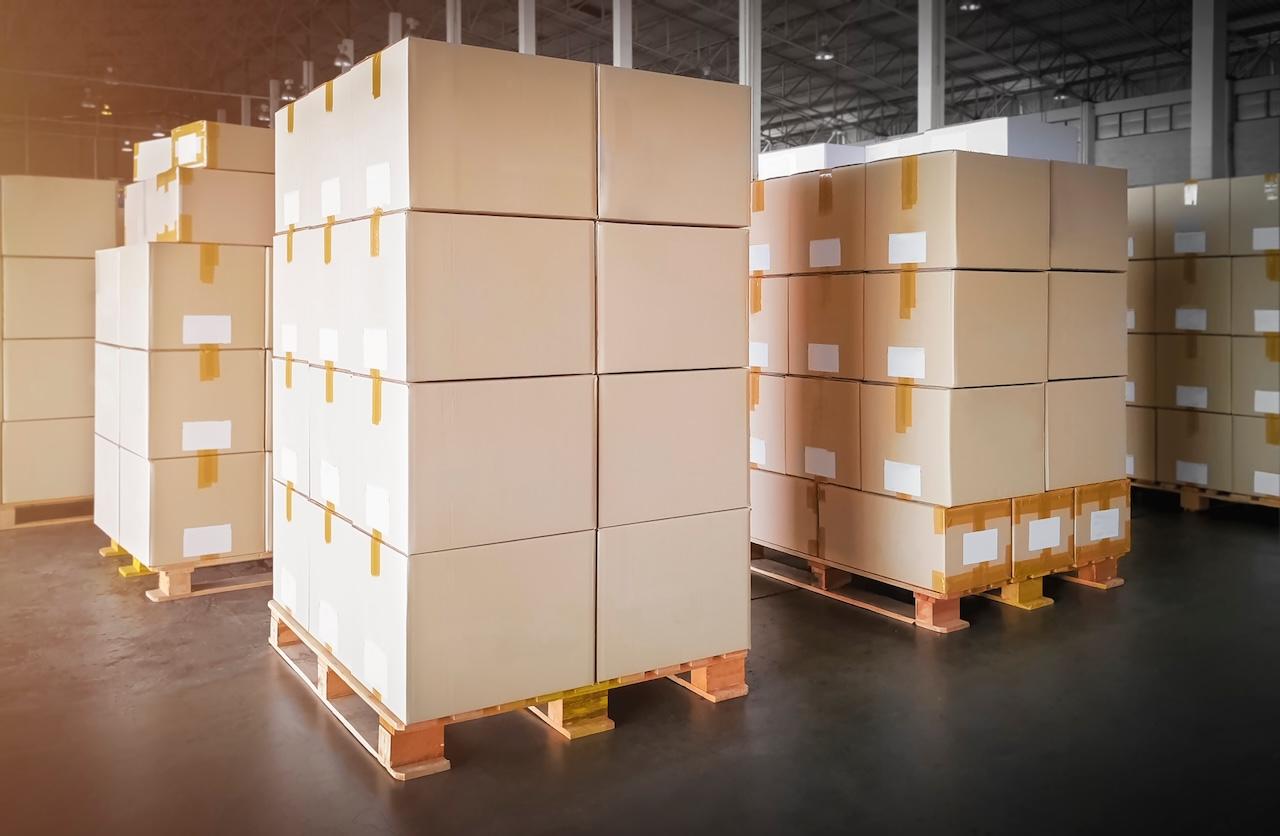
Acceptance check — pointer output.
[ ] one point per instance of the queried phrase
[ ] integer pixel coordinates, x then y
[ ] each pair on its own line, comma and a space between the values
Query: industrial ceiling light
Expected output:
970, 6
106, 110
346, 57
1060, 95
287, 94
158, 132
127, 147
823, 54
87, 102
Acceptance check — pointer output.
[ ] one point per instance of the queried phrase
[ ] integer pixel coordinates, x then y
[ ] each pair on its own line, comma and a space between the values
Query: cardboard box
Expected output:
56, 217
297, 283
1193, 448
822, 430
294, 523
1193, 372
672, 444
1141, 297
958, 210
682, 285
1043, 531
1102, 513
767, 348
1255, 295
651, 125
1088, 208
46, 459
1140, 458
106, 295
135, 212
768, 402
47, 379
828, 221
1255, 214
219, 145
1084, 431
784, 162
953, 446
956, 328
1255, 455
948, 551
106, 392
773, 205
1193, 295
152, 157
1142, 222
1255, 376
289, 426
1087, 318
824, 324
784, 512
1140, 386
1192, 218
1026, 136
332, 453
209, 206
106, 487
672, 591
169, 514
46, 298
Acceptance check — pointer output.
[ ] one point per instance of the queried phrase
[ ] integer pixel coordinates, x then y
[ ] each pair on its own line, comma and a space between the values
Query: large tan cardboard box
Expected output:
824, 323
1087, 318
1255, 375
1255, 295
1102, 513
768, 403
1084, 431
46, 459
1193, 372
956, 328
1141, 317
47, 379
1192, 218
769, 251
784, 512
106, 391
1140, 386
1193, 295
670, 298
106, 487
1255, 455
56, 217
672, 444
46, 297
1140, 458
767, 348
954, 209
949, 551
221, 145
1043, 530
1193, 448
953, 446
294, 521
673, 149
1142, 221
209, 206
822, 430
152, 156
1088, 212
672, 591
1255, 214
828, 221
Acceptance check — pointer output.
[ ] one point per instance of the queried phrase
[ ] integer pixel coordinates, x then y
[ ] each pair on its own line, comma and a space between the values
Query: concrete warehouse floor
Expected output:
1152, 706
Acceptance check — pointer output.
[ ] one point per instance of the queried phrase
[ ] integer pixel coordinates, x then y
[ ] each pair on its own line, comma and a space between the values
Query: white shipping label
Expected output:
824, 252
1266, 401
1188, 242
1130, 319
375, 668
205, 435
1044, 534
206, 330
820, 462
1192, 397
1190, 194
1266, 484
206, 540
1128, 464
902, 478
1103, 525
288, 463
908, 248
377, 508
377, 186
1191, 319
1266, 320
758, 257
287, 592
980, 547
330, 482
759, 450
375, 349
758, 354
288, 337
1129, 395
824, 357
327, 624
1197, 473
330, 197
327, 344
905, 361
1266, 237
188, 146
1130, 246
290, 207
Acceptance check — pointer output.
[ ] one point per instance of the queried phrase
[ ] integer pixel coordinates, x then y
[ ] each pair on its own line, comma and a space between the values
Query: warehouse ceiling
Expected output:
842, 70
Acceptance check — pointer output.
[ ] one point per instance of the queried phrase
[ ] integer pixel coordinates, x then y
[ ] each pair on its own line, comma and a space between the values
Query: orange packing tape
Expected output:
377, 396
288, 501
375, 233
328, 522
165, 178
289, 117
1189, 269
910, 181
1273, 265
328, 381
753, 388
288, 245
184, 227
377, 75
1273, 429
757, 196
210, 362
288, 370
208, 262
1272, 342
328, 239
375, 554
901, 408
825, 186
1193, 345
328, 97
757, 294
906, 293
206, 468
1193, 422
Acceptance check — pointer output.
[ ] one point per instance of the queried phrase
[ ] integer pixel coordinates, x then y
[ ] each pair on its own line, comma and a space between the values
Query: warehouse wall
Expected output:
62, 155
1150, 158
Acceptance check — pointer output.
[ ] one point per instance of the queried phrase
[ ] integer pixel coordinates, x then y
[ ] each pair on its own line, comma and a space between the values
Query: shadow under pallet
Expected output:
1193, 498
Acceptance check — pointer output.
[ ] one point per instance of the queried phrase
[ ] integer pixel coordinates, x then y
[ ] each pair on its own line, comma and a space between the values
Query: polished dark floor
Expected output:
1152, 706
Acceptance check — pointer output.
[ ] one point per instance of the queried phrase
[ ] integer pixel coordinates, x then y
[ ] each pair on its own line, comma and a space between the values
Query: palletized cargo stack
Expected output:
509, 388
49, 230
951, 419
1204, 349
181, 361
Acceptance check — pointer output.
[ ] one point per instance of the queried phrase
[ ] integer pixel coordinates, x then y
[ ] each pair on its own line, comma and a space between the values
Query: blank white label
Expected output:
759, 450
289, 337
375, 348
1190, 194
327, 344
1103, 525
327, 624
1129, 395
1193, 397
1266, 484
824, 252
1191, 319
206, 435
1197, 473
820, 462
902, 478
1130, 319
1128, 465
758, 354
187, 149
1044, 534
287, 592
1266, 401
330, 197
1266, 320
1188, 242
377, 507
375, 668
757, 257
905, 361
824, 357
1266, 237
1130, 246
330, 482
377, 186
288, 463
290, 207
206, 539
206, 330
908, 248
980, 546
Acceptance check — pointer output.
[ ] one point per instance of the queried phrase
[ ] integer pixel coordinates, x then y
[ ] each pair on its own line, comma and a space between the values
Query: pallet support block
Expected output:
1101, 575
723, 680
1192, 500
941, 615
1025, 594
828, 577
112, 550
579, 716
412, 752
135, 569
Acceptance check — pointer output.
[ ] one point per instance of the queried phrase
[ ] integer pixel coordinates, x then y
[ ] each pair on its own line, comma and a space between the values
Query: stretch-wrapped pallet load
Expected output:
49, 230
938, 358
509, 377
181, 367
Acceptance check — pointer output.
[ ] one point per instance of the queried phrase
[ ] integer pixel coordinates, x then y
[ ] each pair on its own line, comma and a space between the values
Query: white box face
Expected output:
290, 416
135, 506
106, 392
135, 400
135, 213
106, 487
331, 451
382, 472
106, 297
160, 209
152, 156
291, 551
135, 296
338, 569
295, 294
373, 296
384, 639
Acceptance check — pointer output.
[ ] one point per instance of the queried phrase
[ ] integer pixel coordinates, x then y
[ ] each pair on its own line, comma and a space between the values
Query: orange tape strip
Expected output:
328, 239
375, 233
377, 75
906, 293
753, 399
328, 522
288, 501
1192, 345
1273, 429
328, 97
901, 408
328, 381
206, 468
910, 181
826, 188
1272, 342
377, 396
208, 262
210, 362
1273, 266
289, 120
288, 245
375, 554
288, 370
757, 196
757, 294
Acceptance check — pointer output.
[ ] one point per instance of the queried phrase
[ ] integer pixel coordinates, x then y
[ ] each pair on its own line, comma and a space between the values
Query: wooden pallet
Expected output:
416, 749
1193, 498
181, 580
46, 512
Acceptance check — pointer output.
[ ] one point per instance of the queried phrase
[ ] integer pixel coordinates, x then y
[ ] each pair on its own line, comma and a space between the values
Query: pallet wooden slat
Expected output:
178, 581
1194, 498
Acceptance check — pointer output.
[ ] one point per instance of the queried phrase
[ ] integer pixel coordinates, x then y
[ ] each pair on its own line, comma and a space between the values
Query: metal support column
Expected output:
273, 100
395, 27
1209, 89
1088, 129
622, 33
750, 48
528, 26
308, 77
453, 21
246, 111
930, 79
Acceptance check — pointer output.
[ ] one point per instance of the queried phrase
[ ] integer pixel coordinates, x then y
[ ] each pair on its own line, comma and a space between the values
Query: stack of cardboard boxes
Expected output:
49, 230
181, 355
1204, 344
939, 351
509, 383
